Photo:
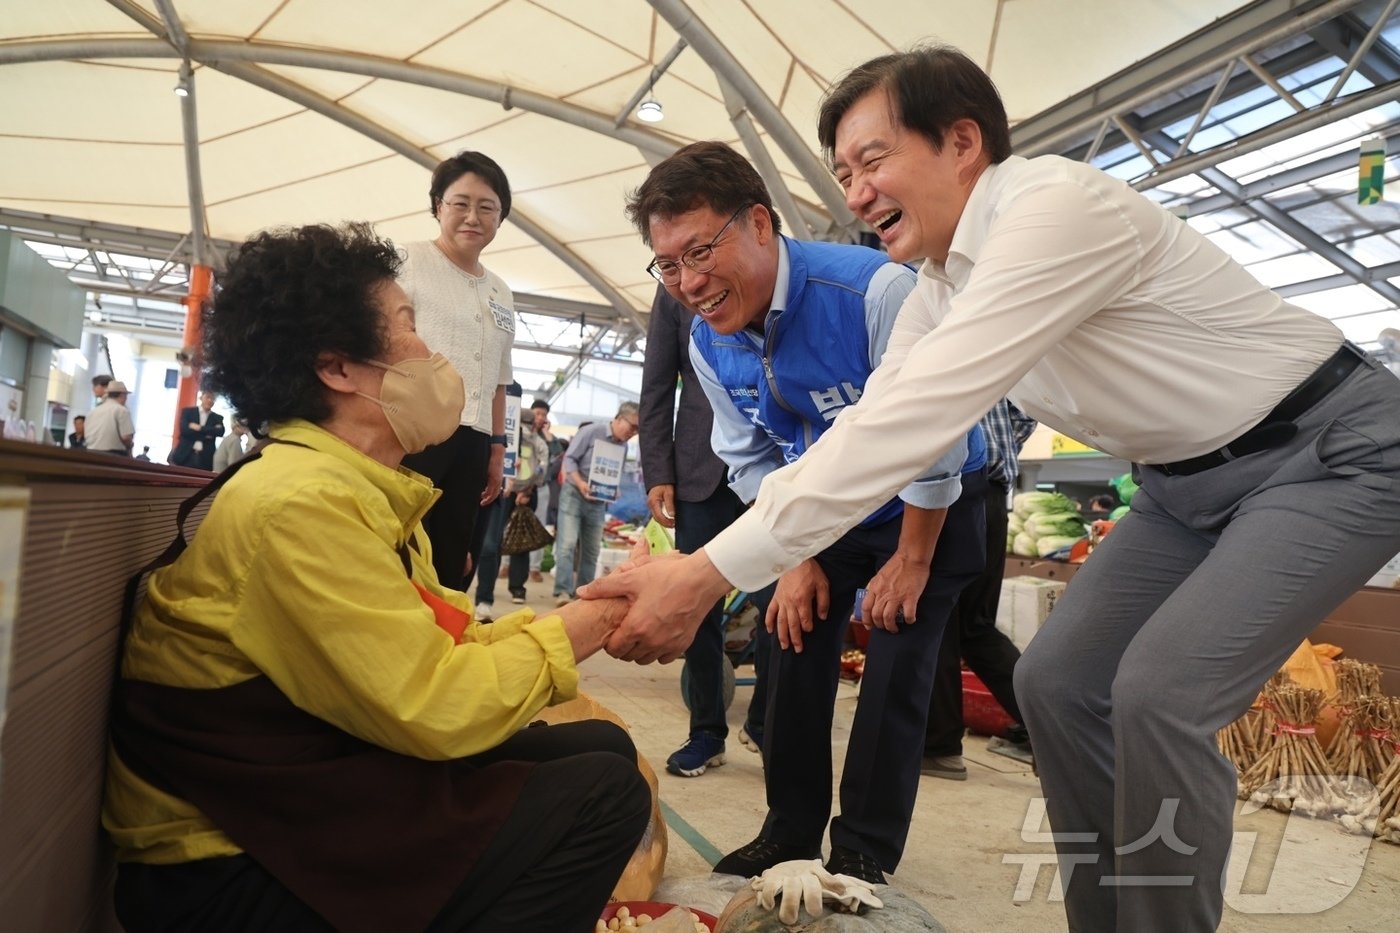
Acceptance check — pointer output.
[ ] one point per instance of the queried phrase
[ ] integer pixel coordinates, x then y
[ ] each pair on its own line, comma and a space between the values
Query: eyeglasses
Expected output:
485, 210
696, 259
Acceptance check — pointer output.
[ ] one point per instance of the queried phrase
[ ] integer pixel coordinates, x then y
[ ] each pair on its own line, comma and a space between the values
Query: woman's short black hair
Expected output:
286, 297
475, 163
930, 88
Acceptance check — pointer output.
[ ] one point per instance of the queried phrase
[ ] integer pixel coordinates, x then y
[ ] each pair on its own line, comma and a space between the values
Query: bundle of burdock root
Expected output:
1236, 741
1382, 817
1292, 773
1243, 740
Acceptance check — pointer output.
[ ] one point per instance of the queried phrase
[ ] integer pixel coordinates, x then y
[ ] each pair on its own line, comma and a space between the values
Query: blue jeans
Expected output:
494, 516
696, 524
581, 528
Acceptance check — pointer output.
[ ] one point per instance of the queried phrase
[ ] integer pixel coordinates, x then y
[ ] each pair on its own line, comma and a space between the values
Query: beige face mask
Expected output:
422, 400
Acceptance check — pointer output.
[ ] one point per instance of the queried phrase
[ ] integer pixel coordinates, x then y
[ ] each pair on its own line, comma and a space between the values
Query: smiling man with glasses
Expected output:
786, 334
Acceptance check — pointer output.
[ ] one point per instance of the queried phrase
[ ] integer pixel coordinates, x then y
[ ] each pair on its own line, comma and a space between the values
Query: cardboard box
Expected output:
1025, 605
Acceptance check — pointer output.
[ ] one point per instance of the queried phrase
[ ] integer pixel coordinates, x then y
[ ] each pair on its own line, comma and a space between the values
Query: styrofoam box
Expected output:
1025, 605
1389, 575
609, 558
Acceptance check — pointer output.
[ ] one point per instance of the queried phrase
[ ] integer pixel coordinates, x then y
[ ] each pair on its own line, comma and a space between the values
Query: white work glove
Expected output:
793, 885
851, 893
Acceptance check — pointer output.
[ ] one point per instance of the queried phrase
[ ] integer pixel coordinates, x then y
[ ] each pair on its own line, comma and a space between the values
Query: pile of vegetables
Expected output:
1042, 524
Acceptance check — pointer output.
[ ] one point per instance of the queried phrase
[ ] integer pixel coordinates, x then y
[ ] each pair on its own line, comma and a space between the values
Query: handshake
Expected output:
805, 883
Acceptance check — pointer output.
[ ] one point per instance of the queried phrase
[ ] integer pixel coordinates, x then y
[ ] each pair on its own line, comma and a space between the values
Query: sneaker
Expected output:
698, 753
752, 739
536, 576
759, 856
518, 598
485, 612
846, 861
949, 767
563, 599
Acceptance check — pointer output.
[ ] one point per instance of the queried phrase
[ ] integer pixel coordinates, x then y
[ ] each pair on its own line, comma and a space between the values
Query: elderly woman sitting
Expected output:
309, 731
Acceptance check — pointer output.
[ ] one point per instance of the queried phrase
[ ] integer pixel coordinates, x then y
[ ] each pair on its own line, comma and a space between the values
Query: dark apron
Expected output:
370, 839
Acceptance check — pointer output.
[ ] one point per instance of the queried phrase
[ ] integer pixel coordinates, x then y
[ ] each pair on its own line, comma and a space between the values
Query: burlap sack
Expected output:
648, 864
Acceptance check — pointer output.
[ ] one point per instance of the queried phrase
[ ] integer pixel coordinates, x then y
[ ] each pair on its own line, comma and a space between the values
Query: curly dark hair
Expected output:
287, 296
930, 88
695, 175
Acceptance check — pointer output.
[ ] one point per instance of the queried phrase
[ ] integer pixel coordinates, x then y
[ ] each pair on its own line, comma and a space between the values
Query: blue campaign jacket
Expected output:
813, 358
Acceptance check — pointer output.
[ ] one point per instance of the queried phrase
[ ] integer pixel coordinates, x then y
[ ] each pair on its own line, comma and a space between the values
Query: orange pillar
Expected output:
201, 286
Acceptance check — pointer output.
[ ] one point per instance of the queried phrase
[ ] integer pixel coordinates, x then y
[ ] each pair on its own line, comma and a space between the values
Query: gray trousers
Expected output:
1167, 634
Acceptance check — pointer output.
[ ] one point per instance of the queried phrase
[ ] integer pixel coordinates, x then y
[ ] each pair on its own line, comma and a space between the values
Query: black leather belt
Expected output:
1277, 426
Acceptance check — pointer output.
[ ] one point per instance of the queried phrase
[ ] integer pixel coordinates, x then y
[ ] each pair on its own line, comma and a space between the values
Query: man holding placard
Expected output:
592, 478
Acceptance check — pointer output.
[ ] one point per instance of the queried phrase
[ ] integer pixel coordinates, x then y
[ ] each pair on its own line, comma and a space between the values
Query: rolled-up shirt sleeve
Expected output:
941, 484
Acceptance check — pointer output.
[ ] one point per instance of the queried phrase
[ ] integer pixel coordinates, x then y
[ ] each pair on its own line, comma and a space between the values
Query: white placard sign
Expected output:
605, 470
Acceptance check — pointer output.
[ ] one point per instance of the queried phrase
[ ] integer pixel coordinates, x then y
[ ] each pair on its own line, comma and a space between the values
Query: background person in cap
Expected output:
1268, 452
99, 388
109, 426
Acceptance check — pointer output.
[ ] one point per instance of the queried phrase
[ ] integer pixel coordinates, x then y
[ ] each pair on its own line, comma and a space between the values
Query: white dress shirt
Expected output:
1093, 309
468, 319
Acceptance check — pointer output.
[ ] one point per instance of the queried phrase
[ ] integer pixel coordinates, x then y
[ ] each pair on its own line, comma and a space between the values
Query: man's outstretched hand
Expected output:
669, 596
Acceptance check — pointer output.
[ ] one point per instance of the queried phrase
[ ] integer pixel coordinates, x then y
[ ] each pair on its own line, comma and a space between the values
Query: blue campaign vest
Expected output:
822, 346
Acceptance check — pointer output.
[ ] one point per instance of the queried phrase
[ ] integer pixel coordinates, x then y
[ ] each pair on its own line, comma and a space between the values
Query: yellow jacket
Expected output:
296, 574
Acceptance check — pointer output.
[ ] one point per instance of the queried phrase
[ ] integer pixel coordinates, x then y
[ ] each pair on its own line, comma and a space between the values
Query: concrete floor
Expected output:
964, 859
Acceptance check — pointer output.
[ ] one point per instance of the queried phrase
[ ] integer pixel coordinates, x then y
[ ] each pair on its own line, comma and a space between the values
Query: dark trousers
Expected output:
494, 518
696, 524
881, 776
551, 867
972, 636
457, 466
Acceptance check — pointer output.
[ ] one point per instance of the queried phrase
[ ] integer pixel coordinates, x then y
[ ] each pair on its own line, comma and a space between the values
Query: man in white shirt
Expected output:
1269, 452
109, 426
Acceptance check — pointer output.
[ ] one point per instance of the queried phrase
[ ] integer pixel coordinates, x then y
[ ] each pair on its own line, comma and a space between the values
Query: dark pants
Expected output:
552, 866
696, 524
883, 755
457, 466
494, 517
972, 635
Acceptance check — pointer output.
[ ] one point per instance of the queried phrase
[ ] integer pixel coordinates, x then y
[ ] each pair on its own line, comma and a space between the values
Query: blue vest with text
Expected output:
813, 358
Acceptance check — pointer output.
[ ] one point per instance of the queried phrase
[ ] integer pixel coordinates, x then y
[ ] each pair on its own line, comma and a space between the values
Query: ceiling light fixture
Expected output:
182, 87
649, 111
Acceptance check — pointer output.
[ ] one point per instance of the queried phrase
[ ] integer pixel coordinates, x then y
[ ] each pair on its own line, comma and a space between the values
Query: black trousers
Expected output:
551, 867
457, 466
973, 636
881, 776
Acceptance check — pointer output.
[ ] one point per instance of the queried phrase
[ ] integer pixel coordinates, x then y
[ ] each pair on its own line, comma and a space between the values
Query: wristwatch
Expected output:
498, 439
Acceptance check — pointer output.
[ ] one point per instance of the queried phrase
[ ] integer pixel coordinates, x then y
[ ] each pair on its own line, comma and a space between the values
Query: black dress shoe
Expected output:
846, 861
759, 856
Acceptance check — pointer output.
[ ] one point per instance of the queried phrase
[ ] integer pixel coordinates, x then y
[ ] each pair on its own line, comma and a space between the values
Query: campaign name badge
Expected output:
503, 316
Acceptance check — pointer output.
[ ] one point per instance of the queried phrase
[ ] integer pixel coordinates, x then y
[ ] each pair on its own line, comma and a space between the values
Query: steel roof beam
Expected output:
370, 66
276, 84
1255, 27
707, 45
1291, 227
